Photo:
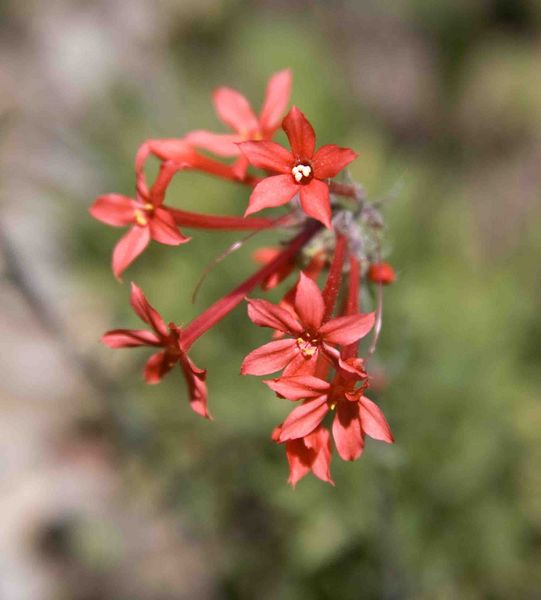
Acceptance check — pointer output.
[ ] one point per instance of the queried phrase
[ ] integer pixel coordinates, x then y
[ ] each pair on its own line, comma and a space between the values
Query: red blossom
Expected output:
355, 416
148, 217
235, 111
311, 453
382, 273
301, 170
161, 336
312, 338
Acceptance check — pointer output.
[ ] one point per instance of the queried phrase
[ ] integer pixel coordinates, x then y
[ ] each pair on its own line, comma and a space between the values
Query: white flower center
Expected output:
301, 172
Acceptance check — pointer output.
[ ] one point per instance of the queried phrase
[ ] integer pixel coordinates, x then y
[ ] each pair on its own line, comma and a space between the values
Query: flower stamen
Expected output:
140, 218
302, 173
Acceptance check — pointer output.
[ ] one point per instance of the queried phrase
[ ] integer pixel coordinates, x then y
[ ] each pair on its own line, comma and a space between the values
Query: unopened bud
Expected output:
381, 273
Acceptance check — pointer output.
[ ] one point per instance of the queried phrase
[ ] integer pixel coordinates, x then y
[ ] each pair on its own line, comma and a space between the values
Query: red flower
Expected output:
166, 337
312, 337
381, 273
356, 415
300, 171
311, 453
235, 111
147, 215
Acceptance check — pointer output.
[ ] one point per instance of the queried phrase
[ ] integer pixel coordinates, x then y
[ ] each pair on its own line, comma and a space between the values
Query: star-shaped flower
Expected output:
160, 363
300, 171
148, 218
356, 415
235, 111
311, 338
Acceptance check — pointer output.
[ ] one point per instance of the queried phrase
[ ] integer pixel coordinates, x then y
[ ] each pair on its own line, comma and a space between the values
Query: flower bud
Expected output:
381, 273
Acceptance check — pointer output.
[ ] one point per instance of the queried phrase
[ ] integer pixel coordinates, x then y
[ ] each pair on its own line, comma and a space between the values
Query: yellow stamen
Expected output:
140, 218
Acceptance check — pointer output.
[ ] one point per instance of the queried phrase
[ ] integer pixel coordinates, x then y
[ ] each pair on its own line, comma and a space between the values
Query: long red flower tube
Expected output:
330, 229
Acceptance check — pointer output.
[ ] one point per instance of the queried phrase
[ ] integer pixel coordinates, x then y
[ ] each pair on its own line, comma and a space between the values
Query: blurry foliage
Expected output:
451, 510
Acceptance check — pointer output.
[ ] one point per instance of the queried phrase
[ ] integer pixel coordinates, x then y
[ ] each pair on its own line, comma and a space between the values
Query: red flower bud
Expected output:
381, 273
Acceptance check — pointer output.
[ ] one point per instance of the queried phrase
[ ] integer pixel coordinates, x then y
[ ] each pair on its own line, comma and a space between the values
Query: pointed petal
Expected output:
304, 419
276, 101
270, 357
272, 191
269, 156
309, 303
129, 247
146, 312
222, 144
266, 314
329, 160
166, 149
352, 368
300, 459
240, 167
346, 431
114, 209
315, 201
197, 388
130, 338
374, 422
301, 365
163, 179
300, 134
157, 366
347, 369
348, 329
320, 441
163, 229
234, 110
300, 387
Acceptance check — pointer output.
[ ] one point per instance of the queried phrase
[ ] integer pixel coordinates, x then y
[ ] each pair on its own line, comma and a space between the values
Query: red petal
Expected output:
265, 314
272, 191
309, 303
300, 134
346, 431
163, 179
304, 419
157, 366
146, 312
218, 143
299, 387
374, 422
129, 247
329, 160
270, 357
130, 338
163, 229
240, 167
276, 101
177, 150
348, 329
234, 110
197, 388
300, 365
300, 459
269, 156
320, 441
114, 209
315, 201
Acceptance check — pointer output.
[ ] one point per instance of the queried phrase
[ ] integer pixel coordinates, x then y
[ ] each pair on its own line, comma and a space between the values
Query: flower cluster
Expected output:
331, 232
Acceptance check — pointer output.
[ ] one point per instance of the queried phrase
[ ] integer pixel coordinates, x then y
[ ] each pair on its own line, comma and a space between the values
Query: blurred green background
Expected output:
443, 102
